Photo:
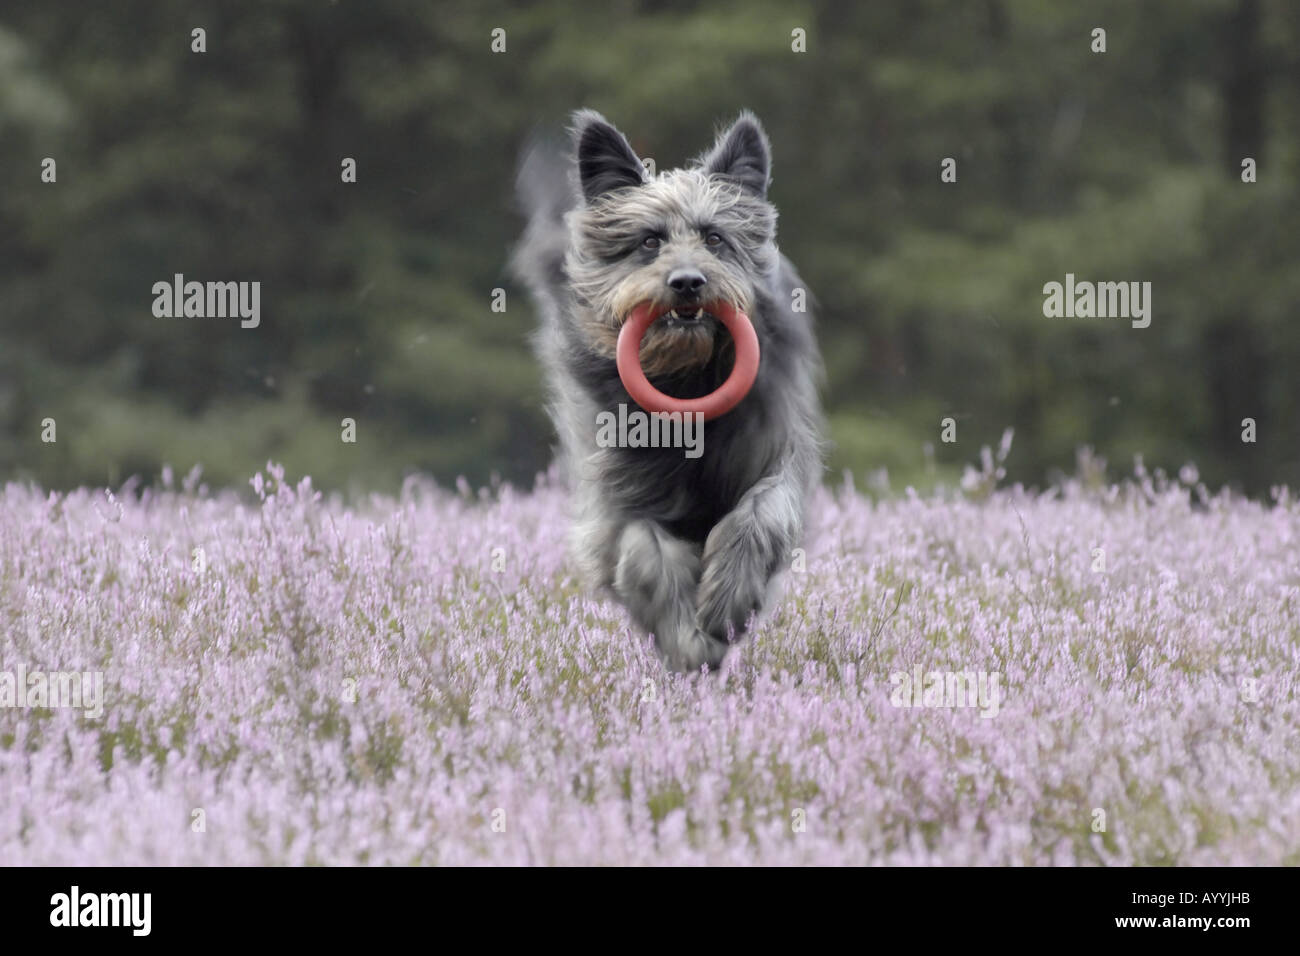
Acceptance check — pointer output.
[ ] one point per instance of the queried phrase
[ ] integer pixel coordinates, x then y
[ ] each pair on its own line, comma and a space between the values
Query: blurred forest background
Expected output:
376, 296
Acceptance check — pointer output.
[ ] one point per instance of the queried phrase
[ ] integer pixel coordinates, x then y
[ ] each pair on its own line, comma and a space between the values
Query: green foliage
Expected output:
376, 295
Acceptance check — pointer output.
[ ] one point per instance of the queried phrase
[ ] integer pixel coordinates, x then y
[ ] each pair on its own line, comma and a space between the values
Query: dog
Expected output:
694, 548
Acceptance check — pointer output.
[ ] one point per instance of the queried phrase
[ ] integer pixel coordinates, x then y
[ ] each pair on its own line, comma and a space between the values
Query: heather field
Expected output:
291, 680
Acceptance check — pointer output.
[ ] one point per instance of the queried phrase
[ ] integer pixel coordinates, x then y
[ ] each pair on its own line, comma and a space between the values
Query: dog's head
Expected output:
682, 240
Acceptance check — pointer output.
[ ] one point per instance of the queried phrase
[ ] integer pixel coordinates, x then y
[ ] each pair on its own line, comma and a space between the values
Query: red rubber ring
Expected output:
716, 403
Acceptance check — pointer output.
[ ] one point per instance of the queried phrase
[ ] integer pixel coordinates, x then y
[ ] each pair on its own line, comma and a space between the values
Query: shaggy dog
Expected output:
692, 546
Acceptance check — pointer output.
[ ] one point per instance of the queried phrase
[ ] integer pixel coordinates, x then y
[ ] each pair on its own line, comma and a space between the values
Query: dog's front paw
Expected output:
690, 649
737, 567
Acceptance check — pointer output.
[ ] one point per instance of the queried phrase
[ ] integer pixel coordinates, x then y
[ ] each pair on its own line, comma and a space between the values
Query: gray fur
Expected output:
693, 548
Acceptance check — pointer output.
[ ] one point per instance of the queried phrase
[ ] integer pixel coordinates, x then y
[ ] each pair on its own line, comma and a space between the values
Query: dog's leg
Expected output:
746, 549
655, 578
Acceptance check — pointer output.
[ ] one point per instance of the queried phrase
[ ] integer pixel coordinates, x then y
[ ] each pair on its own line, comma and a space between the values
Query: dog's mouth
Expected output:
681, 337
685, 318
686, 315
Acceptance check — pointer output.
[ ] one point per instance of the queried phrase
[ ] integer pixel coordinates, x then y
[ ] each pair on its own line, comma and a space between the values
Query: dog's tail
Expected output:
545, 191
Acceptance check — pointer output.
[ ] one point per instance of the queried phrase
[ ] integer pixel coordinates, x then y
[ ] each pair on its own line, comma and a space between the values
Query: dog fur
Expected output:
693, 548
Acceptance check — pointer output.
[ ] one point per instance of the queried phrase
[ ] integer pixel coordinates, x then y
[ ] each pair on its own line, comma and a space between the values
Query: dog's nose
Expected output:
686, 281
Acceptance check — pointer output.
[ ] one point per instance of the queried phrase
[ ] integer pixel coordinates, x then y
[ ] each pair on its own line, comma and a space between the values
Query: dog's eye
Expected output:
713, 239
650, 242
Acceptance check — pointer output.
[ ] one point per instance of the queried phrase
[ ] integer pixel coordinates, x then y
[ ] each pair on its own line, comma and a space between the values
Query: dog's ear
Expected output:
605, 160
742, 154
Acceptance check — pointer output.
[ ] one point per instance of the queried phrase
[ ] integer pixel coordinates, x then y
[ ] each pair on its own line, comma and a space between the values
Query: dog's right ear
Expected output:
605, 160
742, 154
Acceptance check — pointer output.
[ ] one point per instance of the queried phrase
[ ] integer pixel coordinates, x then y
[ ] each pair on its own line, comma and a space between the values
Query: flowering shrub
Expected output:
420, 681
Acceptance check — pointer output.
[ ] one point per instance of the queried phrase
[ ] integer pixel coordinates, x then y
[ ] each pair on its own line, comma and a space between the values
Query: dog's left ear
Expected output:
605, 158
742, 154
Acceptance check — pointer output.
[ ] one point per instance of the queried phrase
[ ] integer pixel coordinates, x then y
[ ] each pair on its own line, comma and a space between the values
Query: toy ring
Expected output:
716, 403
